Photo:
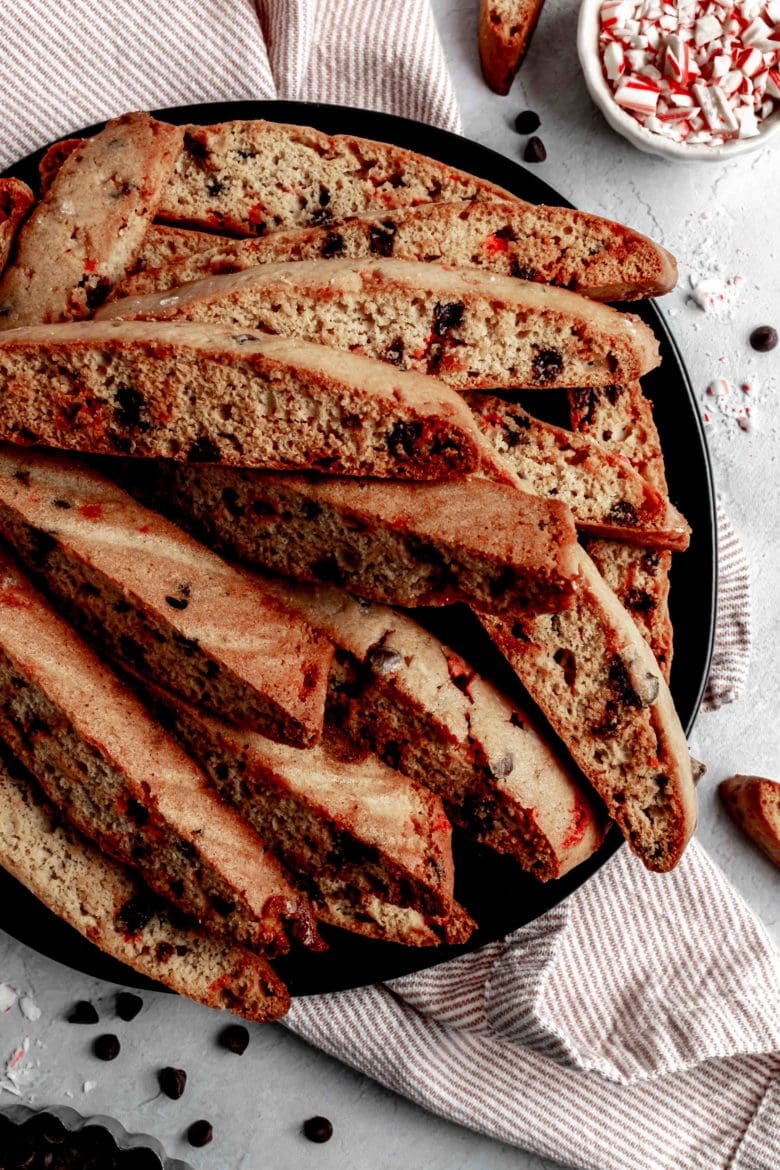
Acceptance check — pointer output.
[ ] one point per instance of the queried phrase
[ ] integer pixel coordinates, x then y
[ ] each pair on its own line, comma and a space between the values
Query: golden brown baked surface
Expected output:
505, 31
754, 803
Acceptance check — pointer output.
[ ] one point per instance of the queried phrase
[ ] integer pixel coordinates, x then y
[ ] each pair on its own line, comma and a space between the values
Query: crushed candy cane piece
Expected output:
7, 997
29, 1008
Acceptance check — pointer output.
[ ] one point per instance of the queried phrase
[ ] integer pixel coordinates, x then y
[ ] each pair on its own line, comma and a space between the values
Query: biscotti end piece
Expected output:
16, 199
404, 544
754, 803
108, 905
158, 601
471, 328
84, 234
505, 31
205, 393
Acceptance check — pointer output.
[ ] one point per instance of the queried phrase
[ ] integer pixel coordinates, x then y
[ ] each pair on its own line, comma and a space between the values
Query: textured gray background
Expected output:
715, 218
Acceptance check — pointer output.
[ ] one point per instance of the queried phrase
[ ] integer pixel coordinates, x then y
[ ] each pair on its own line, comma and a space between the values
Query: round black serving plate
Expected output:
496, 892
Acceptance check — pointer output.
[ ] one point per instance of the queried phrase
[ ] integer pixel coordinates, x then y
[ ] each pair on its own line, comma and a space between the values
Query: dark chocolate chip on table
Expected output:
106, 1047
763, 338
534, 150
200, 1133
128, 1005
527, 121
173, 1082
83, 1012
235, 1038
318, 1129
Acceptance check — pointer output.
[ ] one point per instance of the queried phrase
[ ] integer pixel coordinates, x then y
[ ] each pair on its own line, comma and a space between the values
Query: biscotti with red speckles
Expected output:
505, 31
214, 394
124, 782
754, 803
398, 690
16, 200
596, 681
621, 419
607, 496
84, 234
549, 245
107, 904
404, 544
152, 597
473, 329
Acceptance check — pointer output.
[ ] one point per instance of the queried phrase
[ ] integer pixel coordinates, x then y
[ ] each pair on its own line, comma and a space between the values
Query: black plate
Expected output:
500, 897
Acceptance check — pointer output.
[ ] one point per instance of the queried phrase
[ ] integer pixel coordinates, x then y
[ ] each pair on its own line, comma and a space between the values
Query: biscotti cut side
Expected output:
405, 544
607, 496
596, 681
754, 803
150, 595
402, 693
473, 329
372, 918
107, 904
621, 418
164, 245
549, 245
505, 31
252, 177
84, 234
125, 783
16, 200
201, 392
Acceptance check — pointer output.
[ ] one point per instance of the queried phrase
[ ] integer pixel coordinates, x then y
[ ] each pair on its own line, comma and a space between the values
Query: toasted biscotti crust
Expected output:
596, 681
621, 418
550, 245
405, 544
16, 200
195, 392
106, 903
84, 234
154, 598
404, 694
473, 329
505, 31
606, 495
754, 803
125, 783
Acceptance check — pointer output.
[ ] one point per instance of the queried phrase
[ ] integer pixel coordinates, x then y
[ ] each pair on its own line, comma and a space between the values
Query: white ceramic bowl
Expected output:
619, 119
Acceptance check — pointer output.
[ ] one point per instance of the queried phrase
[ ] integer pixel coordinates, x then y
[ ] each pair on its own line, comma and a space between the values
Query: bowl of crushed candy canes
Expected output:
685, 79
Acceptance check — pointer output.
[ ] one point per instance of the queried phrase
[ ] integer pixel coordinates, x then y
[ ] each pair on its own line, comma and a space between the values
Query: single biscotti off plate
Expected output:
754, 803
106, 903
402, 543
203, 392
473, 329
158, 601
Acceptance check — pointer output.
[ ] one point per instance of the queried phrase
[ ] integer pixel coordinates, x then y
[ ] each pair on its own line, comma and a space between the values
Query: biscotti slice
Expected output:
505, 31
16, 199
84, 234
606, 495
621, 418
252, 177
550, 245
754, 803
472, 329
124, 782
203, 392
398, 690
163, 245
596, 681
53, 158
154, 598
107, 904
370, 917
406, 544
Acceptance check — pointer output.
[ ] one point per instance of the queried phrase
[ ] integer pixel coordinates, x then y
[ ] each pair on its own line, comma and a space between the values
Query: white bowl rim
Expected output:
588, 29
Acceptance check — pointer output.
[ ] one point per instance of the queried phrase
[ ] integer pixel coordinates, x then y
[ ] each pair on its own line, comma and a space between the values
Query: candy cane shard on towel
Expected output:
107, 904
473, 329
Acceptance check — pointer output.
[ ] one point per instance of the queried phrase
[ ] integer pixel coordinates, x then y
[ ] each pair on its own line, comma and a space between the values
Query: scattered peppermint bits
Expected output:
699, 72
733, 401
7, 997
715, 294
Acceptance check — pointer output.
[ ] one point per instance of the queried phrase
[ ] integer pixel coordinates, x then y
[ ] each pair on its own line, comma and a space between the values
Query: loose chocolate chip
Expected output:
203, 450
447, 315
381, 238
177, 602
402, 437
318, 1129
235, 1038
128, 1005
106, 1047
527, 121
332, 245
534, 151
83, 1012
547, 365
764, 338
173, 1082
200, 1133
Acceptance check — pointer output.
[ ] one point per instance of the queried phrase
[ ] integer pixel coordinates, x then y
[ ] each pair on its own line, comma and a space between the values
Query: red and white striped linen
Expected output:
636, 1026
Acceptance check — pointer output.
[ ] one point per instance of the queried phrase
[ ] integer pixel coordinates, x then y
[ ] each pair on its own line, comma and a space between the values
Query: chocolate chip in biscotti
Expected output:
129, 408
623, 512
535, 151
381, 238
172, 1081
527, 121
318, 1129
200, 1133
764, 338
204, 450
394, 352
403, 436
235, 1038
332, 245
128, 1005
83, 1012
447, 315
521, 271
547, 365
134, 915
106, 1047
